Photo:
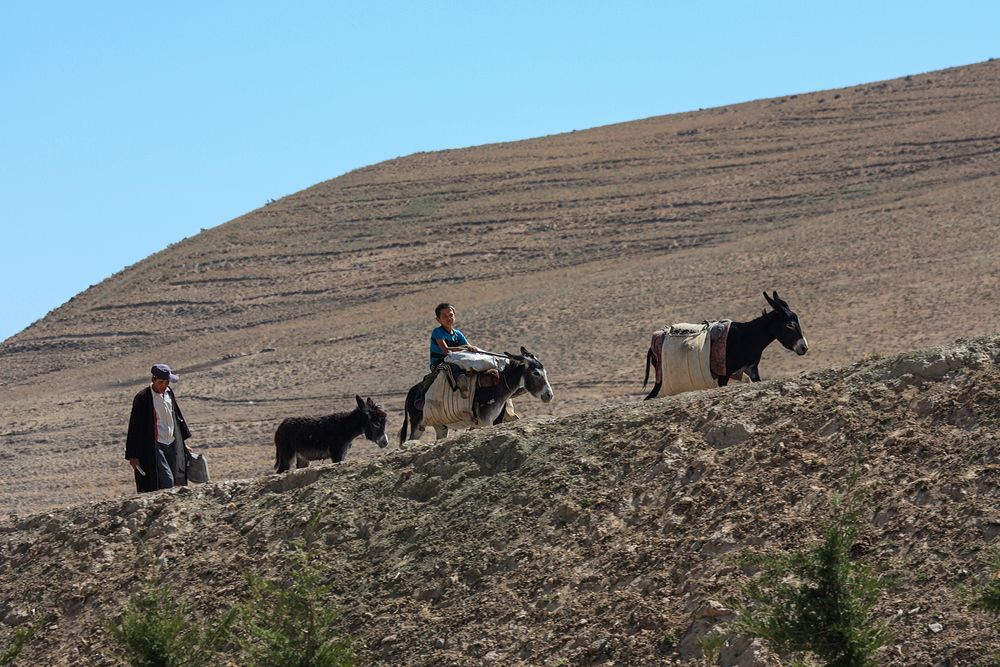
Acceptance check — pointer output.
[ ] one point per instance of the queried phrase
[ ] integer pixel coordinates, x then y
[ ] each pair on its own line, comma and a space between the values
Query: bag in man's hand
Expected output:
197, 468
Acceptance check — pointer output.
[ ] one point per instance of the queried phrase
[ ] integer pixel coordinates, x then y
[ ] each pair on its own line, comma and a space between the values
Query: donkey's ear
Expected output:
361, 404
769, 300
525, 352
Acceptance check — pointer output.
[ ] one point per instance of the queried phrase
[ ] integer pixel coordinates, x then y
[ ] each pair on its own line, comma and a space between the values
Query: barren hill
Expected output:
607, 537
872, 209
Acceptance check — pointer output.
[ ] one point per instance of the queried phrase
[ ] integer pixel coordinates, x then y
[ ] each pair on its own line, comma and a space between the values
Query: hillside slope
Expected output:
872, 209
605, 537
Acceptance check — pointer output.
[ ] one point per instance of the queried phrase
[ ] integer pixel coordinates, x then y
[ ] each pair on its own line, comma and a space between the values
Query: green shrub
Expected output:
155, 631
289, 623
283, 623
711, 645
817, 599
21, 637
986, 596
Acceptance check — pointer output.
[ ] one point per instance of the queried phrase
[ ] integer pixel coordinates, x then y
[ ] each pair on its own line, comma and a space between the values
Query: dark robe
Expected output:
141, 441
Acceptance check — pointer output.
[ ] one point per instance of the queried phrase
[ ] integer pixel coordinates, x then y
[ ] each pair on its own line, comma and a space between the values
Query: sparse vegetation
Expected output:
10, 653
818, 600
156, 631
422, 206
284, 623
986, 595
711, 644
288, 623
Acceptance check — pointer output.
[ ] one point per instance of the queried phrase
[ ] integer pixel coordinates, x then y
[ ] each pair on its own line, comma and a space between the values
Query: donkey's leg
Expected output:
507, 414
284, 455
338, 451
655, 392
440, 432
492, 413
413, 415
417, 427
284, 461
301, 461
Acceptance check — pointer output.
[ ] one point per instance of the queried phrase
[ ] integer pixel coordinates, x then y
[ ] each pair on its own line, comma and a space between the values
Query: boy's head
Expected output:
445, 314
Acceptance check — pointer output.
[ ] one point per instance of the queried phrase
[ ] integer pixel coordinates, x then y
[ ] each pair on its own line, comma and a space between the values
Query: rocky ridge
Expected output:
606, 537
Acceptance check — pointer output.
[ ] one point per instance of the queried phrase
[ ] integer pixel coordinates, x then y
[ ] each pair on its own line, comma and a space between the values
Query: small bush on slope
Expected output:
21, 637
283, 623
156, 631
288, 623
987, 597
818, 599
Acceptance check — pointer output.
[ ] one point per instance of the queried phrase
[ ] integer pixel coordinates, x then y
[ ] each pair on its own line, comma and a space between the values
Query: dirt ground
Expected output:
871, 209
608, 537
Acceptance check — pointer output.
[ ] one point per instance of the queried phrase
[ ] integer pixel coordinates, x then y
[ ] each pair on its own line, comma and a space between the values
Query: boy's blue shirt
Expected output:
453, 339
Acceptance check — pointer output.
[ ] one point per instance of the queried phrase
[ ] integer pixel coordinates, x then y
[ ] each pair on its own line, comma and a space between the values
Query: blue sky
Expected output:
125, 127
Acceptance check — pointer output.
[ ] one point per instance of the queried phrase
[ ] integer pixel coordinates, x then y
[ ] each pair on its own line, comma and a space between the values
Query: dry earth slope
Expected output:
872, 209
603, 538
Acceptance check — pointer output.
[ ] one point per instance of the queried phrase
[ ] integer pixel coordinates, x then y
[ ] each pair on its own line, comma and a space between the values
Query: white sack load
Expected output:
473, 361
686, 358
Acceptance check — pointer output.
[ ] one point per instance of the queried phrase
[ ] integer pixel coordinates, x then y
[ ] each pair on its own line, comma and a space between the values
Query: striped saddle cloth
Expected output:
445, 403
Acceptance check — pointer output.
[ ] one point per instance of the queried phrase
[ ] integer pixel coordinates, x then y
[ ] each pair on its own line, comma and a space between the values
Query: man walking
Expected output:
156, 433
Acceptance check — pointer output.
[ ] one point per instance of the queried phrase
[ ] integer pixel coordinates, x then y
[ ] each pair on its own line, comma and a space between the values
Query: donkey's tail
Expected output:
411, 398
402, 431
278, 439
650, 360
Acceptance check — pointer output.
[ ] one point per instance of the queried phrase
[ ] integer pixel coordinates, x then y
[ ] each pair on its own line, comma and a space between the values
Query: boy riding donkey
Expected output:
446, 339
464, 372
